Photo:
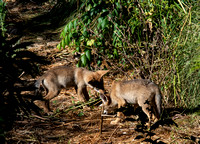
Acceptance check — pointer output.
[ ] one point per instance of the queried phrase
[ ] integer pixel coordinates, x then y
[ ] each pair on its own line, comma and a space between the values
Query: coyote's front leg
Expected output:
120, 115
82, 93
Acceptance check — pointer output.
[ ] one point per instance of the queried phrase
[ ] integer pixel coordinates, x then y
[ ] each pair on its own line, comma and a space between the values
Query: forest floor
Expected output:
73, 124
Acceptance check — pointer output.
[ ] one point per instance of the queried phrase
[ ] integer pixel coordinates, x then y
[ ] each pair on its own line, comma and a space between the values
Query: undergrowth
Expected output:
157, 40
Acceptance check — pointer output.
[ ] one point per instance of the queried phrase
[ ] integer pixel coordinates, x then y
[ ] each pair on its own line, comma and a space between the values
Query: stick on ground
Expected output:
101, 121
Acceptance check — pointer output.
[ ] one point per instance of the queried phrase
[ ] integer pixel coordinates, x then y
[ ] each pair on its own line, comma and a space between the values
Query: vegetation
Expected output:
2, 43
2, 17
158, 40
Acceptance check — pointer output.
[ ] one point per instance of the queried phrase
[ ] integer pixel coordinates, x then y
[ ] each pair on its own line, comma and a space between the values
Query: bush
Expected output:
2, 43
2, 17
152, 39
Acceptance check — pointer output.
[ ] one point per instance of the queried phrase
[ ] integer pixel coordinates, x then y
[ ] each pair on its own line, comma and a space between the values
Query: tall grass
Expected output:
187, 59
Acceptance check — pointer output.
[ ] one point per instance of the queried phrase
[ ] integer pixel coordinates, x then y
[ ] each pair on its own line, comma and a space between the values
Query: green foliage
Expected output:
81, 113
187, 60
2, 44
2, 17
115, 28
155, 39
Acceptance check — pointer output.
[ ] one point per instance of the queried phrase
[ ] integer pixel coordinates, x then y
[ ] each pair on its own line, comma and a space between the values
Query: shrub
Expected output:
152, 39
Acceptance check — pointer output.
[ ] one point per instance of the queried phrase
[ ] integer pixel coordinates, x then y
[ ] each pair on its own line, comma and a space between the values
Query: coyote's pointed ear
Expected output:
102, 72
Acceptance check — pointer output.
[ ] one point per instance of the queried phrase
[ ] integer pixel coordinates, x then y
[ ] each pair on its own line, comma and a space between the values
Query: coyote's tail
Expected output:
38, 85
158, 99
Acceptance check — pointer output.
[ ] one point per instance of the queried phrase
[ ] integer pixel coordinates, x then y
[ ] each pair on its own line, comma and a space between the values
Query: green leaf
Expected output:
104, 10
101, 35
69, 37
114, 39
69, 26
92, 11
88, 54
63, 43
65, 31
114, 12
59, 46
75, 23
100, 20
54, 102
99, 62
86, 17
77, 43
78, 64
89, 21
95, 44
118, 5
115, 53
88, 7
84, 59
78, 49
62, 34
66, 40
57, 110
90, 42
103, 24
85, 31
81, 114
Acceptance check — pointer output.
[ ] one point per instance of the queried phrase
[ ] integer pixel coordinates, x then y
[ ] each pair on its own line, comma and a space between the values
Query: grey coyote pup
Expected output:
139, 92
64, 77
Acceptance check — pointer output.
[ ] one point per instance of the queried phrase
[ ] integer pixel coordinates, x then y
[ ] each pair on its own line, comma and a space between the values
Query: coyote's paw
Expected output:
155, 120
114, 122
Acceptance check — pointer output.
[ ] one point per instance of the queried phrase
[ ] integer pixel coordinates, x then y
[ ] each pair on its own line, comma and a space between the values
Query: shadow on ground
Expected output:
16, 62
18, 66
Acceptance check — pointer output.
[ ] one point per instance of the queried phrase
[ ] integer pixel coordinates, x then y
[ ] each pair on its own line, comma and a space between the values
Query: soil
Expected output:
72, 123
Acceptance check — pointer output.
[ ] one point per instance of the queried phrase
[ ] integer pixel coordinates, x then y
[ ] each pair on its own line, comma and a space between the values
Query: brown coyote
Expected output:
64, 77
139, 92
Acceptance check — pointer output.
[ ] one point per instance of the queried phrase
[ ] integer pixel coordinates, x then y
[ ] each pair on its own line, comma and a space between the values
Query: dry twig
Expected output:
112, 134
101, 121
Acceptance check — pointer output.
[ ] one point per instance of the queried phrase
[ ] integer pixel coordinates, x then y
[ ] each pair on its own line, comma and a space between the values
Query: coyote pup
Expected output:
64, 77
139, 92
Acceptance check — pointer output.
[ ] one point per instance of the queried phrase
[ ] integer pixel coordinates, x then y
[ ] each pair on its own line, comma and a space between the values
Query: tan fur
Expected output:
139, 92
64, 77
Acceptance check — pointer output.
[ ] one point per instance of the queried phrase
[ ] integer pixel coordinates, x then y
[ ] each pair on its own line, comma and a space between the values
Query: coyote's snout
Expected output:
64, 77
139, 92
